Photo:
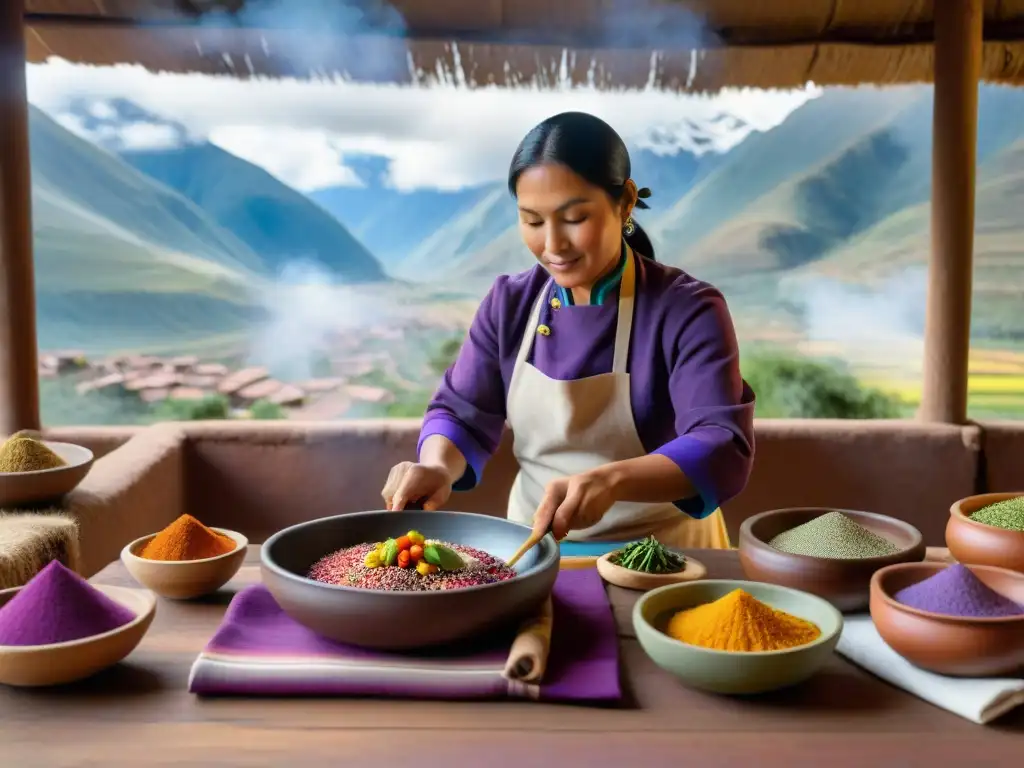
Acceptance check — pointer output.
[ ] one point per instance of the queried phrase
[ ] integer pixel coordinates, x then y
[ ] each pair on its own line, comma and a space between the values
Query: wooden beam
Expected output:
958, 47
19, 368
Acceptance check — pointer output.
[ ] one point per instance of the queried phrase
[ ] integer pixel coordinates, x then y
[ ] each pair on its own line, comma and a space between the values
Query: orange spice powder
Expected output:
187, 539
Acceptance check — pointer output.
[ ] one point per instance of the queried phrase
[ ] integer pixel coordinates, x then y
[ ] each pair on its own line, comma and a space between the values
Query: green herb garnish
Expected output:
648, 556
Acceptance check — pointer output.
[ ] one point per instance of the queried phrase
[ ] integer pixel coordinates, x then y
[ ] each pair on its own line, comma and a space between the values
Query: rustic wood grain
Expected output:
140, 713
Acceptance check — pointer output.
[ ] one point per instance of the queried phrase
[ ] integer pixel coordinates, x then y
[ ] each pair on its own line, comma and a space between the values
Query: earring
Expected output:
629, 227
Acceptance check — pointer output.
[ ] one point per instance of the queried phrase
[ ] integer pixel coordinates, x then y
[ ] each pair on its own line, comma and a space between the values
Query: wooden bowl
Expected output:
949, 645
627, 579
980, 544
844, 583
727, 671
19, 489
60, 663
185, 579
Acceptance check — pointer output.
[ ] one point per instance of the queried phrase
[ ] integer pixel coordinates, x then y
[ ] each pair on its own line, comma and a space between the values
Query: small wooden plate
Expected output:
623, 577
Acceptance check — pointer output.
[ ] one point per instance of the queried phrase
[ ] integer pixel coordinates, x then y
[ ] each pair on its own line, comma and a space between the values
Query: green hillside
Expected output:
901, 241
276, 222
123, 261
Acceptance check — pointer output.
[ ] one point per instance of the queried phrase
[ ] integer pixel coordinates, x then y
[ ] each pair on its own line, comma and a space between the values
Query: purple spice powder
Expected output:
57, 606
956, 591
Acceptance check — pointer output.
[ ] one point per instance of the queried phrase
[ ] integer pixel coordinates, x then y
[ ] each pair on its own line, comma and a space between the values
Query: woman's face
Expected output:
573, 228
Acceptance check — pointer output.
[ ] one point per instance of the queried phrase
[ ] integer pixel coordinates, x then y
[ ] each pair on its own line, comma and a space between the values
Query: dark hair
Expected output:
590, 148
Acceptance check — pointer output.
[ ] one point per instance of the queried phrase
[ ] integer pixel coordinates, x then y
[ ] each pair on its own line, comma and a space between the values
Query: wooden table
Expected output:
140, 713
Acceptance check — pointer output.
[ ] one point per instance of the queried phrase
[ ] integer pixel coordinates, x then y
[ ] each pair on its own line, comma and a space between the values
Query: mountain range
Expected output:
139, 249
837, 194
176, 251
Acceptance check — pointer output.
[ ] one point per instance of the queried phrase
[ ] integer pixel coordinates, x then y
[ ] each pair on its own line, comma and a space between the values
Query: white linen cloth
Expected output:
979, 699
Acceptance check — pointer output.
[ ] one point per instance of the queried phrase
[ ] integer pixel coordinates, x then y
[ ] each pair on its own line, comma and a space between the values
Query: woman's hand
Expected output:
574, 502
409, 482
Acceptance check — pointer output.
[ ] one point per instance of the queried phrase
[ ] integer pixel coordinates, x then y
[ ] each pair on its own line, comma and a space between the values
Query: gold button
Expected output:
543, 330
556, 304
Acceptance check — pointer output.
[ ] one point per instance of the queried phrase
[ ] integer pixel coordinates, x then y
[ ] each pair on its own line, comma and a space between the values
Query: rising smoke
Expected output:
894, 309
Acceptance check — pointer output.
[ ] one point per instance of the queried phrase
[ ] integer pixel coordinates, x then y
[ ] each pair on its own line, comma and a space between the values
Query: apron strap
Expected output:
624, 321
531, 327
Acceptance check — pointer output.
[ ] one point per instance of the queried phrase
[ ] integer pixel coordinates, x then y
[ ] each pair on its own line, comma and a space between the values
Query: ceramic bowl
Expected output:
724, 671
19, 489
949, 645
185, 579
60, 663
384, 620
980, 544
844, 583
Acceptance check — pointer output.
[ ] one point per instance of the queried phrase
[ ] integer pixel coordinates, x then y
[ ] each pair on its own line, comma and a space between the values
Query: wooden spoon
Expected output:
532, 541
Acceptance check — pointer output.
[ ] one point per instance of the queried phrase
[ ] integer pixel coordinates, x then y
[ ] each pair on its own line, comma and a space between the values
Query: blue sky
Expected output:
442, 137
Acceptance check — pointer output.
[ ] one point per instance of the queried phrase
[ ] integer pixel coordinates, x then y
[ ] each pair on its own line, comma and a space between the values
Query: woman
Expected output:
619, 376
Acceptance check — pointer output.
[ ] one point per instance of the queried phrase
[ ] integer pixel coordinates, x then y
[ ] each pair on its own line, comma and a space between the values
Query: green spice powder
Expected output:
1007, 514
833, 535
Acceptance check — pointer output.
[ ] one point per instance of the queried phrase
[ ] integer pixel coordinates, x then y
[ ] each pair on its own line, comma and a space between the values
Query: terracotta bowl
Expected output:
726, 671
367, 617
949, 645
60, 663
185, 579
19, 489
844, 583
980, 544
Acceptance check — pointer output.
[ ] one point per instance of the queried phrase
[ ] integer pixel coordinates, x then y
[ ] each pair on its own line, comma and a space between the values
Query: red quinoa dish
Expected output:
410, 563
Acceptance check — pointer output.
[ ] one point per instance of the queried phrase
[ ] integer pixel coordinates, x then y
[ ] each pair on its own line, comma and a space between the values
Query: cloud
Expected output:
305, 159
441, 137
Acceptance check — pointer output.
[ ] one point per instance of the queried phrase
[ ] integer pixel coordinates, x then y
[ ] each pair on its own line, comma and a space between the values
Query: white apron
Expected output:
563, 428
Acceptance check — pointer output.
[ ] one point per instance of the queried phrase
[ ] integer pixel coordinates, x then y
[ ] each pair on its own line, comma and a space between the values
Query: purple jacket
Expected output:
689, 401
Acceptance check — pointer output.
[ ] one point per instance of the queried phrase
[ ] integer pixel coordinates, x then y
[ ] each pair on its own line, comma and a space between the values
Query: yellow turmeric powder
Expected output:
740, 622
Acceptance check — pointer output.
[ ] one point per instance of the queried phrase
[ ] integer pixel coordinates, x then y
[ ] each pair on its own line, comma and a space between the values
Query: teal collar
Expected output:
601, 288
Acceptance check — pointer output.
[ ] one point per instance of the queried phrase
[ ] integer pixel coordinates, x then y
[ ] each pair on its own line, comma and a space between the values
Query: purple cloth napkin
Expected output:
259, 651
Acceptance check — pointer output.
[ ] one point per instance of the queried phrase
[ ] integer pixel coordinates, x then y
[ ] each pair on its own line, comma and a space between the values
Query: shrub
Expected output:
793, 388
209, 408
264, 410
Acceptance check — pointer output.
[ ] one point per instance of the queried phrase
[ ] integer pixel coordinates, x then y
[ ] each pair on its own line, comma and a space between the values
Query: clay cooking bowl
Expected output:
28, 488
949, 645
726, 671
60, 663
405, 620
844, 583
185, 579
980, 544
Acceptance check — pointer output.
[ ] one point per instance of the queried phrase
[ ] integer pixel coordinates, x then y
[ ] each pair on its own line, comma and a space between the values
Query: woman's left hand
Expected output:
574, 502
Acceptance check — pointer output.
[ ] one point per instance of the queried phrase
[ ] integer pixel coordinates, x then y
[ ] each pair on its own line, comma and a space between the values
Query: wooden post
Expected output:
958, 46
19, 367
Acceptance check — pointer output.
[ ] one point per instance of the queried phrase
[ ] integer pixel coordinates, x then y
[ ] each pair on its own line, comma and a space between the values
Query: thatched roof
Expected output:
700, 45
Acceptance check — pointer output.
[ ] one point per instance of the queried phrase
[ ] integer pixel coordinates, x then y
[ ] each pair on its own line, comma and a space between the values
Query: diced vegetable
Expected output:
390, 552
444, 558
